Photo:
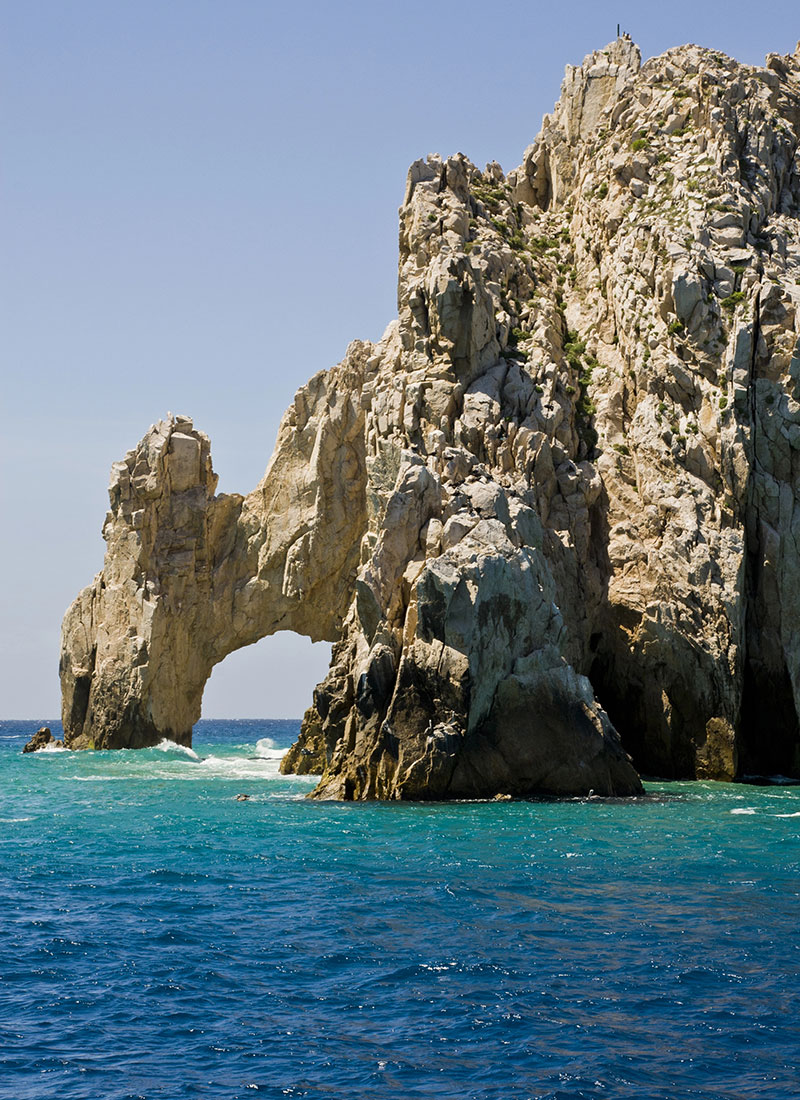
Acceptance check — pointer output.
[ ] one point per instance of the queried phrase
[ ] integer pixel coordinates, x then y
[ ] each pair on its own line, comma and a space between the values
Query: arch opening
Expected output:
274, 677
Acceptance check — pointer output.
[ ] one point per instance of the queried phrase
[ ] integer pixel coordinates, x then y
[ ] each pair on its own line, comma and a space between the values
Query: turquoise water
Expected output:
161, 939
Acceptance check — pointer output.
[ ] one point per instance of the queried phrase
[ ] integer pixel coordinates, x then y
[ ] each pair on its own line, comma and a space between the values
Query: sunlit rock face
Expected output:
550, 519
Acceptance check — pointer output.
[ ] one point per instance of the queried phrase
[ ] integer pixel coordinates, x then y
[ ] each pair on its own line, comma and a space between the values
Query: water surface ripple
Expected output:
161, 939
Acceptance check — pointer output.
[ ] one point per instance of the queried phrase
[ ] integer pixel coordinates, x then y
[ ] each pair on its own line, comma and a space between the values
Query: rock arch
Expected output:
575, 453
190, 576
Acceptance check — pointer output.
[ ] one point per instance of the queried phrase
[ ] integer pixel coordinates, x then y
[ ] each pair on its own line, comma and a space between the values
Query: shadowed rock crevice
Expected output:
770, 741
574, 454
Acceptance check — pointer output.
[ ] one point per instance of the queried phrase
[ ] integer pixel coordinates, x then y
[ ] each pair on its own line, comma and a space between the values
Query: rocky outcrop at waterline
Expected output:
551, 518
42, 739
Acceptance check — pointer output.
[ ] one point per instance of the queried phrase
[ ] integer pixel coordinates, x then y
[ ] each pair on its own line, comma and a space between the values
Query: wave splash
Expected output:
172, 746
266, 749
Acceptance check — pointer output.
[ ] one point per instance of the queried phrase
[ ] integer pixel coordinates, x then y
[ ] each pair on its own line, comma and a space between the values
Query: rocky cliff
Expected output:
553, 517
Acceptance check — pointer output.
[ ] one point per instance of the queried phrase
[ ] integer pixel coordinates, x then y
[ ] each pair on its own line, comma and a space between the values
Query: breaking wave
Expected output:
172, 746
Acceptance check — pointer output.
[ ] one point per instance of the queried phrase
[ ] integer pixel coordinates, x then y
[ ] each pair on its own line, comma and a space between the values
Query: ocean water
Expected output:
159, 938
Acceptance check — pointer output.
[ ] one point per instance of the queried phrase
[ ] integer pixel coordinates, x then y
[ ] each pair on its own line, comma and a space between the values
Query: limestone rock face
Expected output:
189, 577
552, 518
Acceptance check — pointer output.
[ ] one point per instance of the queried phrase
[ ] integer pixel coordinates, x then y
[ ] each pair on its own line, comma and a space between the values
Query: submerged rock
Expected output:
551, 518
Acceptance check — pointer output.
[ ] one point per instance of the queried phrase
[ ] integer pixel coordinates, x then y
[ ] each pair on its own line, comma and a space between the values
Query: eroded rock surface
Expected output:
40, 740
560, 493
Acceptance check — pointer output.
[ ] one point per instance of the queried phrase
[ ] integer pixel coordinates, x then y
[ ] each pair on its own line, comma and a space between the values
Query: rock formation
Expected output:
41, 739
563, 491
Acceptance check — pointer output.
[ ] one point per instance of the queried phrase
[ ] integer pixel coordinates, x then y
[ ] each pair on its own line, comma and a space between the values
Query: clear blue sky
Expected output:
199, 211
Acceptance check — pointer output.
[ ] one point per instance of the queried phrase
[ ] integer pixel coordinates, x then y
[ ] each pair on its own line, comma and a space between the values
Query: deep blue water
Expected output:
161, 939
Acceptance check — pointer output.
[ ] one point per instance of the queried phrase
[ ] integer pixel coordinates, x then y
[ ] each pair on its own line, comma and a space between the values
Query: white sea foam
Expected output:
94, 778
52, 747
177, 763
788, 815
13, 820
743, 810
242, 767
173, 746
